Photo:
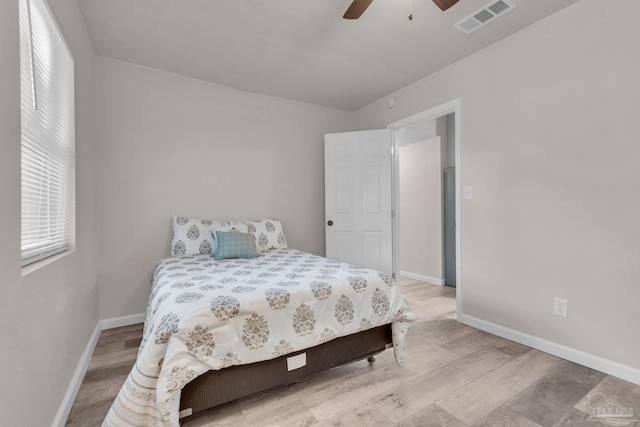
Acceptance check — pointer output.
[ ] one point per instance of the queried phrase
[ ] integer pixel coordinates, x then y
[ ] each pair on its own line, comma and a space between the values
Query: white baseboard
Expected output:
74, 386
589, 360
422, 278
117, 322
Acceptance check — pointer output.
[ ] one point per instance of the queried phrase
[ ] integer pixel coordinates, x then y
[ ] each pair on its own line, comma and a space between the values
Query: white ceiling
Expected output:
298, 49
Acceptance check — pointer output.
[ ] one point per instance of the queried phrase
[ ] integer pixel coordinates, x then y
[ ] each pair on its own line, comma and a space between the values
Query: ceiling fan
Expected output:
358, 7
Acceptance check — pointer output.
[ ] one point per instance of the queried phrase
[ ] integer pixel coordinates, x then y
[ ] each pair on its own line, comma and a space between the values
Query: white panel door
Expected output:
358, 198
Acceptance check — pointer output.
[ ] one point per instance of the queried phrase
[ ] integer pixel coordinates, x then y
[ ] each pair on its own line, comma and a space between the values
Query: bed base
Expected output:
218, 387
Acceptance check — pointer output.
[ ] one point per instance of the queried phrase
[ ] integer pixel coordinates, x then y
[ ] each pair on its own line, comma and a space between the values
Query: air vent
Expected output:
499, 7
484, 15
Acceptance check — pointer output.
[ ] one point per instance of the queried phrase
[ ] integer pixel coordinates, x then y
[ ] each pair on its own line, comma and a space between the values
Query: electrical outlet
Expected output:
561, 307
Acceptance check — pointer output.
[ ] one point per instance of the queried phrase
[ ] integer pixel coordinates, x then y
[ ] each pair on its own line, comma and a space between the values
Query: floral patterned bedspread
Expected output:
205, 314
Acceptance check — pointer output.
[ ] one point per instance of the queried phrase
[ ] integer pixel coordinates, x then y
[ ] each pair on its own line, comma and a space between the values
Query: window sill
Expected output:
28, 269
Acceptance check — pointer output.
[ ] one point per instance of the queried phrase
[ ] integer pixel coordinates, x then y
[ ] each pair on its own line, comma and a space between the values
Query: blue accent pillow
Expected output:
227, 227
234, 244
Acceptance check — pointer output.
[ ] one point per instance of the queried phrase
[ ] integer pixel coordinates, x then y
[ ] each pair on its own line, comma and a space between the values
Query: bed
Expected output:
220, 329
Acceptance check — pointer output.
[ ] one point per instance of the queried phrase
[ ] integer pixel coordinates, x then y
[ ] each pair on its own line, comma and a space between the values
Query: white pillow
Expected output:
269, 234
191, 236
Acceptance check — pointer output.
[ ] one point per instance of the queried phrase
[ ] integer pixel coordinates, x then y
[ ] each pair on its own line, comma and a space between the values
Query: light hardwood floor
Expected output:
455, 376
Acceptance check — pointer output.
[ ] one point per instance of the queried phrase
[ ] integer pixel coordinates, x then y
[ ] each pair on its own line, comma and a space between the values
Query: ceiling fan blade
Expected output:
445, 4
357, 8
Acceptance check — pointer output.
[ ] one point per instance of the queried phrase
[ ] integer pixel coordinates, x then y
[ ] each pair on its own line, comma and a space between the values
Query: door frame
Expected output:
454, 106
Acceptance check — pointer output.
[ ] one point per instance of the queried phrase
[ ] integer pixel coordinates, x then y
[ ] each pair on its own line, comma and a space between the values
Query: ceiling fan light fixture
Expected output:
357, 7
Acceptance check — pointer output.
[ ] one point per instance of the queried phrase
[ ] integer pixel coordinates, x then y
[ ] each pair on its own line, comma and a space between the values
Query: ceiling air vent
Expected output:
484, 15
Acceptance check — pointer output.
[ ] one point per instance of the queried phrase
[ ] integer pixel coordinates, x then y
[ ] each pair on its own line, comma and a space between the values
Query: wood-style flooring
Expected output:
455, 376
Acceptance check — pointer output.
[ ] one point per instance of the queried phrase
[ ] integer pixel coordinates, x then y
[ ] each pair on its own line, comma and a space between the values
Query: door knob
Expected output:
329, 223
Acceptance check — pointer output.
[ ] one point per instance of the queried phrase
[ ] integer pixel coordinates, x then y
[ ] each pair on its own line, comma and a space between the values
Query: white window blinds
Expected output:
48, 135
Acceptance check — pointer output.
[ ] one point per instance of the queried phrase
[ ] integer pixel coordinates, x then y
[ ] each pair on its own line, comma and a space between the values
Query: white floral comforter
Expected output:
205, 314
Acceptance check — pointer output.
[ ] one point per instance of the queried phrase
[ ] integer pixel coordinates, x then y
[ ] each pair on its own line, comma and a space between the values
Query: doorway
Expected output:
438, 130
420, 183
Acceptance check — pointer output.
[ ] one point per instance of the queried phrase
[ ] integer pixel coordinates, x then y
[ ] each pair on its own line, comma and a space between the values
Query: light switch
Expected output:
468, 192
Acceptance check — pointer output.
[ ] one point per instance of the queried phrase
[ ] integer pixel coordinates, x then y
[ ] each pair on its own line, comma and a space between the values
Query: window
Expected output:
48, 135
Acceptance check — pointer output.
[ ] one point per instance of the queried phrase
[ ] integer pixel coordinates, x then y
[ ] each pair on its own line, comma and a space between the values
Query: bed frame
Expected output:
217, 387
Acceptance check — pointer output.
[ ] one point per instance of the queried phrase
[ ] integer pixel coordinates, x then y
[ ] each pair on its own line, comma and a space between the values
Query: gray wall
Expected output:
550, 143
171, 144
47, 316
420, 180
